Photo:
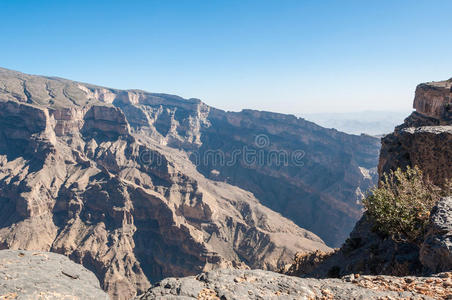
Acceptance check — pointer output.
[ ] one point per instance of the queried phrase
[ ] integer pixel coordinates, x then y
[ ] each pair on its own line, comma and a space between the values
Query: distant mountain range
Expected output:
368, 122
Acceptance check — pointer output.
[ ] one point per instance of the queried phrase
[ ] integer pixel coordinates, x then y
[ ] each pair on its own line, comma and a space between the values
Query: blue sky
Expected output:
282, 55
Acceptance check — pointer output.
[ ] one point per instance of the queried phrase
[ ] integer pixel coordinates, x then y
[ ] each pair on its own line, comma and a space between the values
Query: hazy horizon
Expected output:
296, 57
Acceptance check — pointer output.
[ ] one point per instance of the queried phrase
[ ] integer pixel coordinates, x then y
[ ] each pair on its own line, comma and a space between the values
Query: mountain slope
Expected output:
314, 176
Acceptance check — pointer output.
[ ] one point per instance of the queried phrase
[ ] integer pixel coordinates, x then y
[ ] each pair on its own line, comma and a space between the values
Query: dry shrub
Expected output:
400, 206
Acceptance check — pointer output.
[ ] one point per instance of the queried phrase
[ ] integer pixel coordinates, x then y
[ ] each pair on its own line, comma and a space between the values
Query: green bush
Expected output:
400, 206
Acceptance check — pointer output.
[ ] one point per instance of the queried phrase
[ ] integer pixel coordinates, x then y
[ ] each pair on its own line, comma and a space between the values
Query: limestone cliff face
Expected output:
434, 99
425, 138
314, 176
87, 172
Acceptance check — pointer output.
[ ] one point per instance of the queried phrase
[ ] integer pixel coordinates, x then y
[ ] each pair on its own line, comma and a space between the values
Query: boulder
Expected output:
31, 275
436, 251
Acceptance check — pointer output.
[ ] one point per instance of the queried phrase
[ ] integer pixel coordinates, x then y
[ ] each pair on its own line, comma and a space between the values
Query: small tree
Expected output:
400, 206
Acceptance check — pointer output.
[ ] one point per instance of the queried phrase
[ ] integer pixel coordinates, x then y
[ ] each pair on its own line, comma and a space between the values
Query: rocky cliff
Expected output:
423, 140
120, 181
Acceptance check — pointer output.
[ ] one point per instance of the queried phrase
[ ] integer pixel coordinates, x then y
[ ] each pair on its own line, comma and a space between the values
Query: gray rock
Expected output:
436, 251
230, 284
41, 275
425, 137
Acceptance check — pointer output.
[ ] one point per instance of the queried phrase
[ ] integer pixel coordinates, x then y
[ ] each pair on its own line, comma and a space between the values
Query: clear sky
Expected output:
282, 55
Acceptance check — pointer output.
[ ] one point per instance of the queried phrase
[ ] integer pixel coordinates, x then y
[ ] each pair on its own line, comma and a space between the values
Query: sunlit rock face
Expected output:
425, 138
123, 181
434, 99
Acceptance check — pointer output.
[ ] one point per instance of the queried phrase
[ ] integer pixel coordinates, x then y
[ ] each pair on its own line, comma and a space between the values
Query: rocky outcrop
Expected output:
258, 284
425, 138
436, 251
78, 178
434, 99
33, 275
428, 147
305, 263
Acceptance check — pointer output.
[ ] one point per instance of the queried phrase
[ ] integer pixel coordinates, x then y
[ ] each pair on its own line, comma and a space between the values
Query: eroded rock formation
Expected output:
434, 99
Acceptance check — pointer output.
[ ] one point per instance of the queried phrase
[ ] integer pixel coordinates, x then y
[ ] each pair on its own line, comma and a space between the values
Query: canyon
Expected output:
369, 265
164, 197
138, 186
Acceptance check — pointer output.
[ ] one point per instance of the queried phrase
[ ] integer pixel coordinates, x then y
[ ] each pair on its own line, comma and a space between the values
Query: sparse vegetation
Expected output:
400, 206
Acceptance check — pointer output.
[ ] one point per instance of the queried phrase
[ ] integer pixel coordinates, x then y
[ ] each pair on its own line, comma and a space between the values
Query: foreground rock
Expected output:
30, 275
436, 251
258, 284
